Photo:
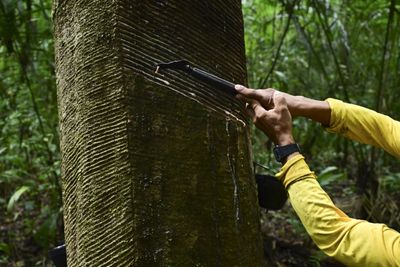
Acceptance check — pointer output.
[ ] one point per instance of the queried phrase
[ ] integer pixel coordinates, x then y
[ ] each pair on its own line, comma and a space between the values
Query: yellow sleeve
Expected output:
365, 126
350, 241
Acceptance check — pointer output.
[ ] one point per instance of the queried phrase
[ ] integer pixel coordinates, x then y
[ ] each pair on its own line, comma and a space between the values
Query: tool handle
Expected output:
213, 80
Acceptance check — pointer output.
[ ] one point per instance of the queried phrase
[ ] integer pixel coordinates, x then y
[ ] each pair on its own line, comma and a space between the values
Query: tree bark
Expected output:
153, 174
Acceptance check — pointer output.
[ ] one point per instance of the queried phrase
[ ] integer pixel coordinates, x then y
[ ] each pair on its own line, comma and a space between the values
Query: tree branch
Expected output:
385, 54
328, 35
263, 82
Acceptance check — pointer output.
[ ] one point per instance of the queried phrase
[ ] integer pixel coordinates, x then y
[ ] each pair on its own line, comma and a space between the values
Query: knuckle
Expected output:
263, 115
260, 116
282, 109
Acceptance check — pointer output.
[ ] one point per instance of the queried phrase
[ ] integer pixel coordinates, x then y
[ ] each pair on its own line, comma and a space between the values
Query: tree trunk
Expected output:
153, 174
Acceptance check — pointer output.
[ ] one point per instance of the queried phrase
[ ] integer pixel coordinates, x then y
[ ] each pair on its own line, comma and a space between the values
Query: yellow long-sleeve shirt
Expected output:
352, 242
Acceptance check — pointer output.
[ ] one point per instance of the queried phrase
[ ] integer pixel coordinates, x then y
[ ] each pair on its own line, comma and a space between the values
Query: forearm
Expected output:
352, 121
353, 242
350, 241
365, 126
315, 110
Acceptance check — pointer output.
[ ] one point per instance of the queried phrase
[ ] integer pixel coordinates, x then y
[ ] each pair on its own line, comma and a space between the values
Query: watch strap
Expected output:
281, 152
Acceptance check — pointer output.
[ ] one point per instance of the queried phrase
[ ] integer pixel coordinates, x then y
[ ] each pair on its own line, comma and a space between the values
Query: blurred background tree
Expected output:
345, 49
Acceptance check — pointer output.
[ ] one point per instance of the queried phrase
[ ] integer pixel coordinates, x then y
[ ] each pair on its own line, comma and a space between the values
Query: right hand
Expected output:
265, 97
318, 111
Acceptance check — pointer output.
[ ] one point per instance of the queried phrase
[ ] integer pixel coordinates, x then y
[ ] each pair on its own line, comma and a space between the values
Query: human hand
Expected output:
275, 122
265, 97
316, 110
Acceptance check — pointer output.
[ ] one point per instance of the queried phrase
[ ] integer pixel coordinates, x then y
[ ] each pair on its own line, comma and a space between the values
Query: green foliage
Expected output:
29, 155
14, 198
391, 182
330, 175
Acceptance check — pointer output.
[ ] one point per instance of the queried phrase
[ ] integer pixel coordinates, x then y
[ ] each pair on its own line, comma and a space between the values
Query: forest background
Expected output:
344, 49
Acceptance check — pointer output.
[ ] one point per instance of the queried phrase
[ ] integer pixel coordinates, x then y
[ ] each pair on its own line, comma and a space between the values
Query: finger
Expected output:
250, 93
243, 98
254, 109
240, 97
248, 100
257, 107
250, 111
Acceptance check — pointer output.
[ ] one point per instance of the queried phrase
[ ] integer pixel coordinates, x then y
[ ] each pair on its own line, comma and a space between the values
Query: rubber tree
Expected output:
156, 169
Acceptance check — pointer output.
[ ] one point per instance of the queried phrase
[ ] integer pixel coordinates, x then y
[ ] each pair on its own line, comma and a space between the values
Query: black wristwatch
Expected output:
281, 152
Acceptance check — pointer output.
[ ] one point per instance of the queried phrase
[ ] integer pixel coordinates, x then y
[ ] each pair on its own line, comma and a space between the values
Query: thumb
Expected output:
247, 92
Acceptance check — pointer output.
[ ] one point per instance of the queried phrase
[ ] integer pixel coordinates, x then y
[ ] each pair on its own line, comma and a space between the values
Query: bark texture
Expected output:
153, 174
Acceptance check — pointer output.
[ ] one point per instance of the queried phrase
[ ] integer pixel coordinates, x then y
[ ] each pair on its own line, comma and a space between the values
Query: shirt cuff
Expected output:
295, 169
337, 114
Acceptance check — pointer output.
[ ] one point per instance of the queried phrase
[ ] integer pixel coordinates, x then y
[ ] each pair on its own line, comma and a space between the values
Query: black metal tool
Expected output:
211, 79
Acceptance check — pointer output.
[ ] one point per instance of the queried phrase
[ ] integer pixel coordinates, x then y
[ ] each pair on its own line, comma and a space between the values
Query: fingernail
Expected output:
239, 87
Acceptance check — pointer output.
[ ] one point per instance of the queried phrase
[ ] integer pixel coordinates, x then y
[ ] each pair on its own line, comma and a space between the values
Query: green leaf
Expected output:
14, 198
281, 75
5, 248
329, 175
